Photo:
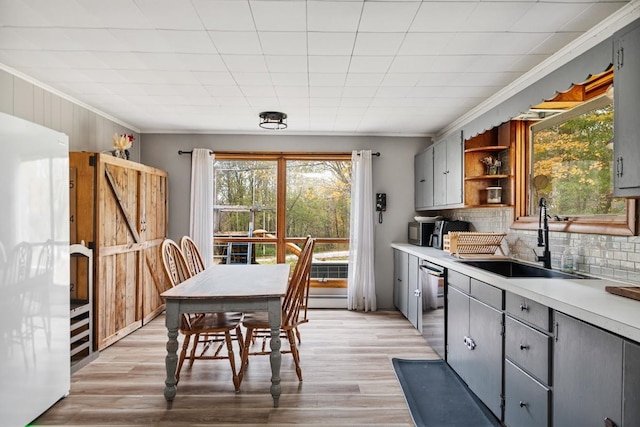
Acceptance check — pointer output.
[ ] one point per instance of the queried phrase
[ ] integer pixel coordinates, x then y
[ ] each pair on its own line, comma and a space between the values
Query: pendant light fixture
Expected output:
273, 120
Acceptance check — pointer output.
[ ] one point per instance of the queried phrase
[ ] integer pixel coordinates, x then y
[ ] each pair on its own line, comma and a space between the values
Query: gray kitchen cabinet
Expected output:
407, 293
526, 399
401, 280
631, 385
414, 298
626, 58
587, 374
447, 171
475, 340
423, 173
527, 348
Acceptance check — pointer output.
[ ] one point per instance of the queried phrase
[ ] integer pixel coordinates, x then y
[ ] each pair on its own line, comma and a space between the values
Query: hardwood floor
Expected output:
346, 367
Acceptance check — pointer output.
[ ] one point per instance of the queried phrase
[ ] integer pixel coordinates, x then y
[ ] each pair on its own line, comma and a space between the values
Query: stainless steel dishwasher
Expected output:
432, 277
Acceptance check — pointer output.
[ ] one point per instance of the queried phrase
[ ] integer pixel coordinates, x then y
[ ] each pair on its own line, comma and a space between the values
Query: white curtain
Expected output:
361, 290
201, 216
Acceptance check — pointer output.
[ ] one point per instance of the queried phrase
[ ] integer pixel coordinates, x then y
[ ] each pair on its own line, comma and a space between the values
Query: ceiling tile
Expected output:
333, 15
401, 79
225, 91
592, 16
290, 79
252, 78
171, 14
245, 63
326, 91
327, 79
378, 43
284, 63
221, 78
546, 17
236, 42
370, 64
388, 16
364, 79
494, 43
279, 15
328, 64
292, 91
229, 15
283, 43
497, 16
331, 43
258, 91
359, 91
425, 44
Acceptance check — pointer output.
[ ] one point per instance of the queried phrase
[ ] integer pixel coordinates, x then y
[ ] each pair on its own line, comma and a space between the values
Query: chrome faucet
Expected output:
543, 234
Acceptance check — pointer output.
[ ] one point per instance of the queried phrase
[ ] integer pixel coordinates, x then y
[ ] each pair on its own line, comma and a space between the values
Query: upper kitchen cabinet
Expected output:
423, 167
438, 175
447, 172
626, 57
488, 166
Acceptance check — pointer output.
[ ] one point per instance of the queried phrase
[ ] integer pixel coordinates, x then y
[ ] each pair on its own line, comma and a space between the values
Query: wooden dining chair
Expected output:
203, 325
192, 255
258, 325
195, 264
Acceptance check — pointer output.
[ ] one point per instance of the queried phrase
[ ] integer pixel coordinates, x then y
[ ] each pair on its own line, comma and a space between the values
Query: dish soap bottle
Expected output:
566, 261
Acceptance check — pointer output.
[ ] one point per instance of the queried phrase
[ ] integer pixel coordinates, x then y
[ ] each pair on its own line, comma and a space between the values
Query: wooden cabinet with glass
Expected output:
489, 167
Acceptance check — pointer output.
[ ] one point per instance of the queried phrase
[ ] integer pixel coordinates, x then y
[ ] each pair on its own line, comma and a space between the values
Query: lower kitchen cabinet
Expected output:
407, 292
631, 385
526, 399
587, 374
401, 281
475, 339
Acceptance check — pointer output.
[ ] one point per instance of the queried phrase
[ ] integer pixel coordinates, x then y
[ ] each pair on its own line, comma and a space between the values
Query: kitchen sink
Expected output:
511, 268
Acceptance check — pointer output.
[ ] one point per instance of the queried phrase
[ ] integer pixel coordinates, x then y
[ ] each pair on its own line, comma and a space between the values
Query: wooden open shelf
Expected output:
498, 143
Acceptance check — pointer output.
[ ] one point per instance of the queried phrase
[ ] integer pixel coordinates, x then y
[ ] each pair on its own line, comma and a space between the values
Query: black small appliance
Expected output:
443, 227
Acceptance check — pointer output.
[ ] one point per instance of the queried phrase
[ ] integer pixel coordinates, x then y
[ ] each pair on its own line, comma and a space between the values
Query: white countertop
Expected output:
584, 299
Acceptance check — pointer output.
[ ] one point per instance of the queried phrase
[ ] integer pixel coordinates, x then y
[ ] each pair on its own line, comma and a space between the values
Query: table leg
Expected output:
275, 358
172, 321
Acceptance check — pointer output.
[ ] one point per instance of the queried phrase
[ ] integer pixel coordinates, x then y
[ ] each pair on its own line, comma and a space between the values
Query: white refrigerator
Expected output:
34, 269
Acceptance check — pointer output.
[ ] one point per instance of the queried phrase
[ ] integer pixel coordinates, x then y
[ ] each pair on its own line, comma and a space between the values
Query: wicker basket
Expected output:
464, 242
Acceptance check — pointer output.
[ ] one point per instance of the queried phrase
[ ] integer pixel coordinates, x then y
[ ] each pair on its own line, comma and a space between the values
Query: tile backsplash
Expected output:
615, 257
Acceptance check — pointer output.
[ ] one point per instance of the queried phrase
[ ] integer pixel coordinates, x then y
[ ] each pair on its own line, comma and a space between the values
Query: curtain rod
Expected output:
181, 152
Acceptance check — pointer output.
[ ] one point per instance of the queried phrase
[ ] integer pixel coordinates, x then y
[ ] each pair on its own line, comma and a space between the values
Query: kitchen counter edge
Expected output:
584, 299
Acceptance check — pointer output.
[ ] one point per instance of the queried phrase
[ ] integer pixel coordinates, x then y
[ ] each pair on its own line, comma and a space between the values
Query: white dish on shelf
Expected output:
427, 218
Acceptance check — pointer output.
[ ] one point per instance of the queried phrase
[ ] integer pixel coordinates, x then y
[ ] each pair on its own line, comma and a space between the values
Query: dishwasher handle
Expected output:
432, 271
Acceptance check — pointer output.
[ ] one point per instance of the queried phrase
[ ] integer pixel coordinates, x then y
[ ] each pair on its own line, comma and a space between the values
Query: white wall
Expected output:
87, 130
392, 174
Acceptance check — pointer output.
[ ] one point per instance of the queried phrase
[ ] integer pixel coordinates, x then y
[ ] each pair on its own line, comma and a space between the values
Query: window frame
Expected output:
613, 225
280, 240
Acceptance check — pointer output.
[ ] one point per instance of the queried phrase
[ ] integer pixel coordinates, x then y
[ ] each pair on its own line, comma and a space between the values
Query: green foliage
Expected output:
577, 157
318, 197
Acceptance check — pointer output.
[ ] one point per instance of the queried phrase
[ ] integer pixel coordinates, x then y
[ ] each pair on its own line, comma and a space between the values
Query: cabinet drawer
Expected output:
528, 348
486, 293
527, 401
458, 280
528, 311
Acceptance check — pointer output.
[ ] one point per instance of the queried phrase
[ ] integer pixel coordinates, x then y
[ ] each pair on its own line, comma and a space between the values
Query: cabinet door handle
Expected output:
523, 404
621, 166
422, 180
524, 307
524, 347
470, 343
417, 293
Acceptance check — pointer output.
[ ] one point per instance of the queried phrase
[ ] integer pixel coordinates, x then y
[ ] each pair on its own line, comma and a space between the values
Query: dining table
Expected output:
224, 288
